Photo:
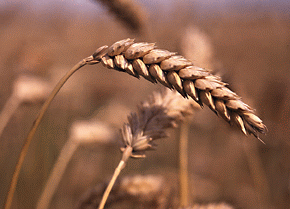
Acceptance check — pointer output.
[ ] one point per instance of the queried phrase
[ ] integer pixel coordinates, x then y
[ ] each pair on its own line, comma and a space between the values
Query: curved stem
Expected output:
36, 123
126, 154
57, 172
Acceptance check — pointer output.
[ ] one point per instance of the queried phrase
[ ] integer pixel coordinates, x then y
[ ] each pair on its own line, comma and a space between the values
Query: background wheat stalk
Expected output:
26, 90
85, 132
36, 123
176, 72
162, 111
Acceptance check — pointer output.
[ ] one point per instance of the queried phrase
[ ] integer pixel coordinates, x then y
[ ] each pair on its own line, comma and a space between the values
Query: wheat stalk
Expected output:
183, 164
176, 72
162, 111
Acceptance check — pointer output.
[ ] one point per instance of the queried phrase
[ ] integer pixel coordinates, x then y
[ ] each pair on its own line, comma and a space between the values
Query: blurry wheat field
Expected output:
252, 46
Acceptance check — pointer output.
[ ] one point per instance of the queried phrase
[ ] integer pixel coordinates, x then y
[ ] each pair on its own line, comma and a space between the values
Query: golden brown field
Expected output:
250, 50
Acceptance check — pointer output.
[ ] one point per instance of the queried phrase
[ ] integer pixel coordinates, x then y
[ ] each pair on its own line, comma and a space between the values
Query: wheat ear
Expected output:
162, 111
176, 72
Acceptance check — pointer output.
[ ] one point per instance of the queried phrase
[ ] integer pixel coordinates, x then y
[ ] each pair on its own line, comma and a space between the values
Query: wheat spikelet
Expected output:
163, 110
176, 72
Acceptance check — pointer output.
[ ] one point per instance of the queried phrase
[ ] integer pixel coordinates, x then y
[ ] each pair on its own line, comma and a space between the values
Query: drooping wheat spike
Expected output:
176, 72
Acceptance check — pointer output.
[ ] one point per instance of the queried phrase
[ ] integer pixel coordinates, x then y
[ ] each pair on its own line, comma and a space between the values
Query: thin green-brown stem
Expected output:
126, 154
57, 172
256, 169
36, 123
8, 110
183, 164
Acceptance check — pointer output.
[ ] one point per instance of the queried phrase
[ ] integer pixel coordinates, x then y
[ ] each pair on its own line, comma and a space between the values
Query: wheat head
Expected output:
163, 110
176, 72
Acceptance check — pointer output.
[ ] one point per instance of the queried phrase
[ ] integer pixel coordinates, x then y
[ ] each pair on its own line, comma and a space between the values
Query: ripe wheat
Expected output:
176, 72
162, 111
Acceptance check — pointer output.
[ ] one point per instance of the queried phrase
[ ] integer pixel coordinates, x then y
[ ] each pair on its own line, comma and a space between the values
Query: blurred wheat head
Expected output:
197, 46
146, 191
27, 90
129, 13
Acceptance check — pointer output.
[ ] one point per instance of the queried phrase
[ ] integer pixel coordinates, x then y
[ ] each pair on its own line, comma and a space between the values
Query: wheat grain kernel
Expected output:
193, 72
236, 118
121, 62
120, 46
108, 62
206, 98
175, 81
156, 56
203, 84
189, 88
176, 62
137, 50
237, 105
142, 70
156, 72
222, 109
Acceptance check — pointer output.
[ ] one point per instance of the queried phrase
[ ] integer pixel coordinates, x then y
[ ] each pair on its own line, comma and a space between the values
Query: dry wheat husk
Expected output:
165, 109
176, 72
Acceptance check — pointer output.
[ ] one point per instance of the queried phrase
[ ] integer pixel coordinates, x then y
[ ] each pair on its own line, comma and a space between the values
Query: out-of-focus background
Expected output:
246, 42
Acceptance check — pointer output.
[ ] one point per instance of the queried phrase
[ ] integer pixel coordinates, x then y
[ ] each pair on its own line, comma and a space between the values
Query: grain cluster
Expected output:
176, 72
